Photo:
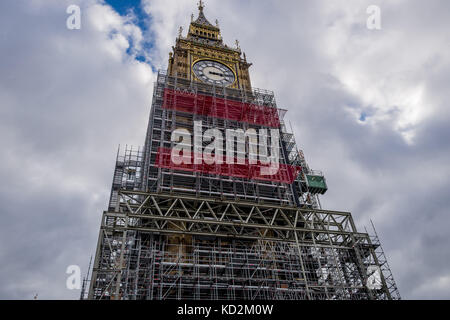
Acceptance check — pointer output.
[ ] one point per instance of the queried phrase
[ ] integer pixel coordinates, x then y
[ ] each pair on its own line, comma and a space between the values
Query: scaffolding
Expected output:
161, 246
171, 233
169, 112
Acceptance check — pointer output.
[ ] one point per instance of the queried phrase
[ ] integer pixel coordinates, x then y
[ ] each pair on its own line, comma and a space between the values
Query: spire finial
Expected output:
217, 23
201, 5
180, 31
192, 17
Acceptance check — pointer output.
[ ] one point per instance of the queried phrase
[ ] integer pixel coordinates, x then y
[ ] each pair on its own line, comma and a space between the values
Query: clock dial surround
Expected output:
214, 72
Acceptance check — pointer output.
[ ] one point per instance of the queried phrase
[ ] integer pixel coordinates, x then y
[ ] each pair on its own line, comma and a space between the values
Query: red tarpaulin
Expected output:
220, 108
285, 173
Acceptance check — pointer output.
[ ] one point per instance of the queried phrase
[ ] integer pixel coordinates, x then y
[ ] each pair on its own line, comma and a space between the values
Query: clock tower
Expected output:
202, 56
204, 229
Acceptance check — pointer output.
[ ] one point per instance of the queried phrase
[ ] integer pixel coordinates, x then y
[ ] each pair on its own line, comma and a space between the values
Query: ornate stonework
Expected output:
204, 42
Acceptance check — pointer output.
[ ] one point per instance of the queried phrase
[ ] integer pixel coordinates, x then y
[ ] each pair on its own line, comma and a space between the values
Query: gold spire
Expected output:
201, 5
201, 20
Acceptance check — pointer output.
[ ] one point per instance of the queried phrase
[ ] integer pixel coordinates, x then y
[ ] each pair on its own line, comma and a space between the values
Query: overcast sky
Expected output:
368, 107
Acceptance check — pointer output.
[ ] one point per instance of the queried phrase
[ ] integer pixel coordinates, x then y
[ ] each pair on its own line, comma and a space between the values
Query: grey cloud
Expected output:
68, 98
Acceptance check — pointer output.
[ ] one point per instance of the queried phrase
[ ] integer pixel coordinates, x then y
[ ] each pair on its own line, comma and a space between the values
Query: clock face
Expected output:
214, 72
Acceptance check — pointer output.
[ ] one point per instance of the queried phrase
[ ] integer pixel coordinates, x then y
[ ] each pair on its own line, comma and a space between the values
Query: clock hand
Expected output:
216, 73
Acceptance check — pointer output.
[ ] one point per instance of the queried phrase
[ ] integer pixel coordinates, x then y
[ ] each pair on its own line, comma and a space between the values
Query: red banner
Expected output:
284, 174
220, 108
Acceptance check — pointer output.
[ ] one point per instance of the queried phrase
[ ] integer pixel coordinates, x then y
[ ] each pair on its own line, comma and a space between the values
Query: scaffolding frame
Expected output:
161, 246
164, 121
172, 234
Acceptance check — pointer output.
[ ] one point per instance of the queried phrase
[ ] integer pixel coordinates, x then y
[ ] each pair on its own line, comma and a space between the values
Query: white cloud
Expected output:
167, 17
